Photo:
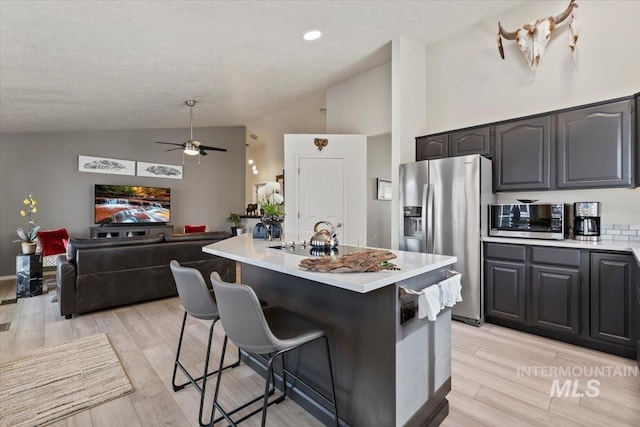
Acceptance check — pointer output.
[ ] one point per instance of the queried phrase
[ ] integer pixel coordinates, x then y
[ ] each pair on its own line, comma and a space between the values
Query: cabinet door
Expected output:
505, 290
555, 298
611, 298
472, 141
595, 146
432, 147
523, 154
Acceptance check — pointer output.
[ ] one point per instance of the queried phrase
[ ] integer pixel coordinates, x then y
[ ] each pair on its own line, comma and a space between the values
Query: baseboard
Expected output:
12, 277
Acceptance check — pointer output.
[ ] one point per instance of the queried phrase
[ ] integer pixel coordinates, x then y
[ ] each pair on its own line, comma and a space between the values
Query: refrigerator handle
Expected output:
426, 244
430, 235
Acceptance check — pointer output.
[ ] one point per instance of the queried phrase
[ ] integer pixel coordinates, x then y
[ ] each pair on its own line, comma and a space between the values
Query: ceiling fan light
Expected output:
190, 149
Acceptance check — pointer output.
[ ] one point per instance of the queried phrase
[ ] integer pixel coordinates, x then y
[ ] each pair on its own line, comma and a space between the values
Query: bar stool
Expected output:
254, 330
198, 301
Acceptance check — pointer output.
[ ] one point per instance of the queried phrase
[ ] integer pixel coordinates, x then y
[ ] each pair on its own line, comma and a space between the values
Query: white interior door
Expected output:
320, 195
328, 184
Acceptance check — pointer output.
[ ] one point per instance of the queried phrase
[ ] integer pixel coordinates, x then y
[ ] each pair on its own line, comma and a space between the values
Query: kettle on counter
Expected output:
324, 238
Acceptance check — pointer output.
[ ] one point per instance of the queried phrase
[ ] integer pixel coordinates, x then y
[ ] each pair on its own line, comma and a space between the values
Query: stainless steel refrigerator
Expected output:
444, 210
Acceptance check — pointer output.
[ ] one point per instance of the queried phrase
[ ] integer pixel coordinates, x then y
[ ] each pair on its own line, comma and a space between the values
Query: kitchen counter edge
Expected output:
630, 246
251, 251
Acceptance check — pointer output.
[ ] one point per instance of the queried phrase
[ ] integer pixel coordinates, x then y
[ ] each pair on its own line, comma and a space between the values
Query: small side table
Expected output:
28, 275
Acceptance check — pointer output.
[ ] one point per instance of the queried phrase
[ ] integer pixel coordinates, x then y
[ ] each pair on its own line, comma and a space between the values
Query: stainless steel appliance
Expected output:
444, 206
586, 221
530, 221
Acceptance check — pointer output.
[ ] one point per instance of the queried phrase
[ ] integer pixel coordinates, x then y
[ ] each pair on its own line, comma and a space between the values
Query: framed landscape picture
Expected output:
105, 165
157, 170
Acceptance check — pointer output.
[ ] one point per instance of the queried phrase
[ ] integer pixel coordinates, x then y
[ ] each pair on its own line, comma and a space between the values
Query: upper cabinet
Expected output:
471, 141
459, 143
523, 155
432, 147
595, 146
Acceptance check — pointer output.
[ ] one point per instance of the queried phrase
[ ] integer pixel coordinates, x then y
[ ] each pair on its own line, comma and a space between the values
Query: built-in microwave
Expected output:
530, 221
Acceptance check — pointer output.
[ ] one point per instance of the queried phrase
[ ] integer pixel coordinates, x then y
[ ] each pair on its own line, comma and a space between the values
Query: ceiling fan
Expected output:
191, 147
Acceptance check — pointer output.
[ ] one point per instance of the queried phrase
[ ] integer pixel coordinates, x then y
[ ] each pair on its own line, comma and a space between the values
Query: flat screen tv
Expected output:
128, 204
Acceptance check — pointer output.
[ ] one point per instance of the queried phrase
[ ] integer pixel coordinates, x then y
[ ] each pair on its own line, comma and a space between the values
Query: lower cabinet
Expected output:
575, 295
505, 290
555, 298
612, 297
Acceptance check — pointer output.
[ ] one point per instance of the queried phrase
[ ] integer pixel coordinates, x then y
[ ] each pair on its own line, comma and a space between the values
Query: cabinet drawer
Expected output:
505, 251
555, 256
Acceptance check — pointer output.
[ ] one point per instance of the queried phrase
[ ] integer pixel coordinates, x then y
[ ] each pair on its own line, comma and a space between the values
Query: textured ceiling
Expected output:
73, 65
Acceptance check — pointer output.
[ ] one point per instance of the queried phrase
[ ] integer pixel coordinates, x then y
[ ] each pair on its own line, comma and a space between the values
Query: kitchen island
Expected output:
390, 367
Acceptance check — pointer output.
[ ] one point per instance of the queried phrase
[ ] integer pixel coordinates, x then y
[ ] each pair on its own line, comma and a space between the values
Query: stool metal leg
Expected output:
206, 374
227, 415
177, 362
333, 387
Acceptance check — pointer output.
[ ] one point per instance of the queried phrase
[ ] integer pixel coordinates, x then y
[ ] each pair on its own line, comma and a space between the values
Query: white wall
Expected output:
378, 211
361, 104
268, 150
469, 84
408, 112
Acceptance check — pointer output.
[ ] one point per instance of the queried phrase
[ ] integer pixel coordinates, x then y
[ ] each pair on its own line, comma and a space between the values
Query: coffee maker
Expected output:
586, 221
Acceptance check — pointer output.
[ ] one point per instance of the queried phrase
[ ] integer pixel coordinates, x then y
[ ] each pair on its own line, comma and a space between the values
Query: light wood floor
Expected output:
486, 387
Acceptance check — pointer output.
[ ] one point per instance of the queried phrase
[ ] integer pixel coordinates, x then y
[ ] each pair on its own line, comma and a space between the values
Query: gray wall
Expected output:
46, 165
378, 211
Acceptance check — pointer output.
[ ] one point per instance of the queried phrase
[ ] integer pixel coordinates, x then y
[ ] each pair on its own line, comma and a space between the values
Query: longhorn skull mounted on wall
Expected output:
532, 38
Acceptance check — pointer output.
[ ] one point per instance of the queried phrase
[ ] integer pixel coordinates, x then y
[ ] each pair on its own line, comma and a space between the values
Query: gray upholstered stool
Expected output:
273, 331
198, 302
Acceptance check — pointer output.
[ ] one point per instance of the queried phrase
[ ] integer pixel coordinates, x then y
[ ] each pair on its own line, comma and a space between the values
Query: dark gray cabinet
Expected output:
432, 147
595, 146
555, 298
523, 151
471, 141
459, 143
612, 298
575, 295
505, 290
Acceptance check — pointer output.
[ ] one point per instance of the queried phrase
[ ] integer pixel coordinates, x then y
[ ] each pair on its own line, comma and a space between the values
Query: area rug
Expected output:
51, 383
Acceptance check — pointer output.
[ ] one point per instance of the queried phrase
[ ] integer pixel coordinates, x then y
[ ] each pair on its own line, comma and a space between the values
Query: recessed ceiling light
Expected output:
312, 35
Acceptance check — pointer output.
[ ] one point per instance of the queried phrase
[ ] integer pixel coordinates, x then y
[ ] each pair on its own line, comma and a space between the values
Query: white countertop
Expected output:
251, 251
605, 245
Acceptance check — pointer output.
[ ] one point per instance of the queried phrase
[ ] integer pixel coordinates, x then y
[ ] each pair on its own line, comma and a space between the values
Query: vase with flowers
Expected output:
28, 237
271, 207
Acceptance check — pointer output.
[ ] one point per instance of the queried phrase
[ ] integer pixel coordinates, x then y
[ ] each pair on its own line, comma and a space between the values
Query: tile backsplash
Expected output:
620, 232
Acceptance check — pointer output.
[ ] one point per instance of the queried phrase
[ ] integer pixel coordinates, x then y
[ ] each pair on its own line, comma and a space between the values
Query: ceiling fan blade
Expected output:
170, 143
173, 149
206, 147
202, 152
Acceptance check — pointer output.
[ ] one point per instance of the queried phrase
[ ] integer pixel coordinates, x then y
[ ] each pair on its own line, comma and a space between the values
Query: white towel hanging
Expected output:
429, 303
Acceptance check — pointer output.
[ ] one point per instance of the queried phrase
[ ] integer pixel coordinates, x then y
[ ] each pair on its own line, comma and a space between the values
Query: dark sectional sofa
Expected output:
104, 273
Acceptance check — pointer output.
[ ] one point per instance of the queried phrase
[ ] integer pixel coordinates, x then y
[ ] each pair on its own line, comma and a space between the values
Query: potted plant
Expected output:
236, 223
28, 237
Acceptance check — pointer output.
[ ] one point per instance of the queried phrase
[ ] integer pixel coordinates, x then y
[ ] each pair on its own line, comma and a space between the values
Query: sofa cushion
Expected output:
210, 235
75, 244
195, 228
53, 242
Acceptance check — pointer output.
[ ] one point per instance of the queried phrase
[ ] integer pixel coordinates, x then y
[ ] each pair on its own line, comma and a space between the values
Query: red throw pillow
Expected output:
53, 242
195, 228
